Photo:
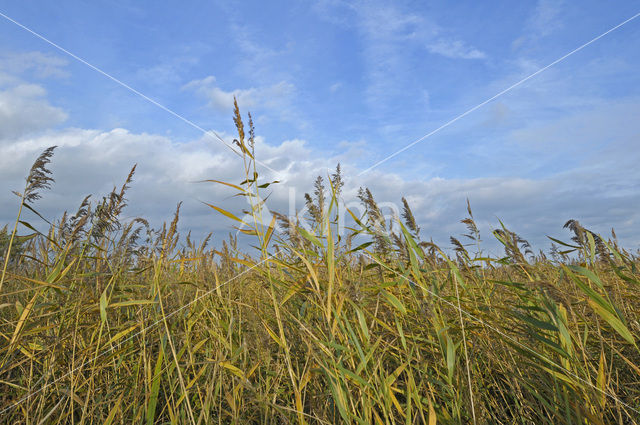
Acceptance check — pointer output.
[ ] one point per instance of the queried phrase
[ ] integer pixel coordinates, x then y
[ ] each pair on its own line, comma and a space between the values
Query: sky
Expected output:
327, 82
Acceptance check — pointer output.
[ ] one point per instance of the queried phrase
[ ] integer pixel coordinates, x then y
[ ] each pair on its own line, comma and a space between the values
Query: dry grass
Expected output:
110, 322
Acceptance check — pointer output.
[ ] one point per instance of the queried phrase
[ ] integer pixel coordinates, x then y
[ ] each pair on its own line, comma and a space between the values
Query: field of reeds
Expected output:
106, 321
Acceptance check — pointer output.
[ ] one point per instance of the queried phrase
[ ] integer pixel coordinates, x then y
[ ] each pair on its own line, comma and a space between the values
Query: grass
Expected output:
104, 321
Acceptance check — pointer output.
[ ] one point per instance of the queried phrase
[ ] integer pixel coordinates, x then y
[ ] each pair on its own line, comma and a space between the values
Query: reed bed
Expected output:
108, 321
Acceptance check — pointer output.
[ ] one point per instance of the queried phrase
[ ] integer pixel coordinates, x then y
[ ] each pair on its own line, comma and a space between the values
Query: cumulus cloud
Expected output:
91, 161
24, 109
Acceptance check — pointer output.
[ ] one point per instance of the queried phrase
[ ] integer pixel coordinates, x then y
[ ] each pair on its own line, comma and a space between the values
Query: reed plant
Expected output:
106, 320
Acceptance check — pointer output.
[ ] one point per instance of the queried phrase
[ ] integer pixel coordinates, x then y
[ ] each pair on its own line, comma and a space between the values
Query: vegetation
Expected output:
105, 321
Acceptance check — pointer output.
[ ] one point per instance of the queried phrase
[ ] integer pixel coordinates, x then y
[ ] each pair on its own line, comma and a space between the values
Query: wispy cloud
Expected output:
256, 59
392, 39
455, 49
335, 87
545, 19
387, 25
274, 100
167, 71
40, 65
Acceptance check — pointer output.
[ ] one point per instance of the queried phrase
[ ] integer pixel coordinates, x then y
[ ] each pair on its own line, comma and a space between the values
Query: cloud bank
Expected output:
91, 161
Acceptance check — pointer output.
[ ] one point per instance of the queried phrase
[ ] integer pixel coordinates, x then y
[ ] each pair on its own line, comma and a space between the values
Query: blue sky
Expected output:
330, 81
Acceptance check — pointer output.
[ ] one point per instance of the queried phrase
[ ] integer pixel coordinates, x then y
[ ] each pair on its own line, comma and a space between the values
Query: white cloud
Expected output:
91, 161
24, 109
454, 49
42, 65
